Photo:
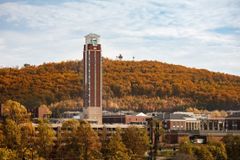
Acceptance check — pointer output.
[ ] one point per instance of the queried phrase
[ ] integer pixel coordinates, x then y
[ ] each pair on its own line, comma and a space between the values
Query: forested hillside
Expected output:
137, 85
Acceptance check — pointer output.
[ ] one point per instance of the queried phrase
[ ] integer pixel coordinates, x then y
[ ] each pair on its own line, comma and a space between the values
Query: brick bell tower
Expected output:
92, 62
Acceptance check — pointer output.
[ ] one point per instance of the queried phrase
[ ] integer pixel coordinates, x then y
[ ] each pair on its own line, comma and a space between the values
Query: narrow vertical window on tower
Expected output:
92, 79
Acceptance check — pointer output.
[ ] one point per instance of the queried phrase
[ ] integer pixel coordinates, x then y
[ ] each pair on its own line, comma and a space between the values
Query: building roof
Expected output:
92, 35
177, 116
185, 113
182, 116
141, 114
56, 125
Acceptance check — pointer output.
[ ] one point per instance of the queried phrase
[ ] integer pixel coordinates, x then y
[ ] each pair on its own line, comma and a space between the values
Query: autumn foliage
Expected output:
137, 85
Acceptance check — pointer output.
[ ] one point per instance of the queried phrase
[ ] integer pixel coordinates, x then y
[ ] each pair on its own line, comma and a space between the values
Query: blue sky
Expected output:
200, 34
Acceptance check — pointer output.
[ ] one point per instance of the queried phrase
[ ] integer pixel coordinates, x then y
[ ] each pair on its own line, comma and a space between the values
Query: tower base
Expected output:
93, 114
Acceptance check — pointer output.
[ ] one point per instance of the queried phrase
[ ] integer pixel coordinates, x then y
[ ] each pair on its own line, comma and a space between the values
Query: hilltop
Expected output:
137, 85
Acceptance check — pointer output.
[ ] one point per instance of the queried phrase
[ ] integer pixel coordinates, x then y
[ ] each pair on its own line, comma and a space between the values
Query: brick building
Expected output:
182, 121
44, 112
125, 119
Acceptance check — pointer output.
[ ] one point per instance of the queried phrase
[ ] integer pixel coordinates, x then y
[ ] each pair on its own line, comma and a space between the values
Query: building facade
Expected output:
125, 119
92, 65
182, 121
44, 112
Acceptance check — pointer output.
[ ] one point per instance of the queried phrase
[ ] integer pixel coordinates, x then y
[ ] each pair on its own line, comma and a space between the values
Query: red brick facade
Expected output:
124, 119
92, 75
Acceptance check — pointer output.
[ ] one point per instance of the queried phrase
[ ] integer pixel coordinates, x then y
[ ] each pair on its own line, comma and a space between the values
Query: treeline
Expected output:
159, 84
75, 140
136, 103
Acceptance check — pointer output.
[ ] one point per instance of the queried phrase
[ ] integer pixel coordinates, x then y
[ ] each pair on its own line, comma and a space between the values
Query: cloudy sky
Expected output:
200, 34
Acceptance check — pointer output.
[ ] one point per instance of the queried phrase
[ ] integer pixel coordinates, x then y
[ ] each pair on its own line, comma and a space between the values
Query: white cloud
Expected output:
2, 43
171, 31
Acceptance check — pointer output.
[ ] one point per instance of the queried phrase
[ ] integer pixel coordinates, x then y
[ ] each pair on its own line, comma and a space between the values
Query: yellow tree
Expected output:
44, 139
26, 149
15, 111
104, 142
232, 144
182, 156
202, 152
16, 129
116, 150
88, 141
11, 135
7, 154
70, 140
1, 135
186, 147
136, 140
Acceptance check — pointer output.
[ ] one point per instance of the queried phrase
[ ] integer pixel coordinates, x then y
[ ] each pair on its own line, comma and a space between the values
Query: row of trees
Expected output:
214, 113
19, 139
136, 103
